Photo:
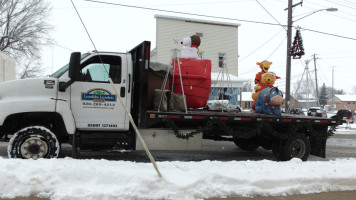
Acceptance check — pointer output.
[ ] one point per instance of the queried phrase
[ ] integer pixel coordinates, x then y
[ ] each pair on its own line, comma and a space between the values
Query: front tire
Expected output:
34, 142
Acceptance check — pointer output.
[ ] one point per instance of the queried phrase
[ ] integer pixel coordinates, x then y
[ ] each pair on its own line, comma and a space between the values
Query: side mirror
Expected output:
74, 65
74, 71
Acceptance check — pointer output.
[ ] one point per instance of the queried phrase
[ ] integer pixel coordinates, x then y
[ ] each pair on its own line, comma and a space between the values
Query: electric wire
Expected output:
349, 2
121, 102
274, 51
55, 44
215, 17
198, 3
341, 11
340, 4
259, 47
271, 15
92, 42
330, 34
184, 13
322, 73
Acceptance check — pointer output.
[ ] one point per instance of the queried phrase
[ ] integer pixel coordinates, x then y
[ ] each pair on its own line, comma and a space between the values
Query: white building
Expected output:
226, 86
218, 40
7, 68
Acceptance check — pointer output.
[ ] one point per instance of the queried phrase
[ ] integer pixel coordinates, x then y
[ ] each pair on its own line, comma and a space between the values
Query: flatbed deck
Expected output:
237, 116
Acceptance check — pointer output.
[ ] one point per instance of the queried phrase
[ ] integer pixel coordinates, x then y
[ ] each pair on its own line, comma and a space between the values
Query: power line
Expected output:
270, 15
330, 34
209, 16
184, 13
62, 47
339, 57
274, 51
340, 4
329, 13
258, 48
349, 2
199, 3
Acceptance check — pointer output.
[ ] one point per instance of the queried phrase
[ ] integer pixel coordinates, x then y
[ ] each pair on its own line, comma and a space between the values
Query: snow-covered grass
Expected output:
102, 179
88, 179
346, 129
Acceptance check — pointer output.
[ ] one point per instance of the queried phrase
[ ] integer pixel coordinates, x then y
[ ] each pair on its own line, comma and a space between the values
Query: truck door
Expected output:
94, 103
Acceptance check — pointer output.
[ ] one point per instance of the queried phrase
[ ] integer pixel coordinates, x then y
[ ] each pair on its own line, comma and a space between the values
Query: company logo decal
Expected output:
98, 98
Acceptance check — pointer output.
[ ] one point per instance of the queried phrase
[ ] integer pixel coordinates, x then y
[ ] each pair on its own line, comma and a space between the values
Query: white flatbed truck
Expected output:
77, 105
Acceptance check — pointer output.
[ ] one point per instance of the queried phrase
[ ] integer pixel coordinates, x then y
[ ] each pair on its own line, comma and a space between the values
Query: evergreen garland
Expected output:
297, 50
171, 124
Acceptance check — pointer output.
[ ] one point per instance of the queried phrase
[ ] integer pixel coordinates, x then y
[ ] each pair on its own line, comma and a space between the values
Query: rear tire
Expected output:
295, 146
34, 142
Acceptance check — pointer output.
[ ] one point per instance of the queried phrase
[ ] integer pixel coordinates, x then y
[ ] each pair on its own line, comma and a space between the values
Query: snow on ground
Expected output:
102, 179
346, 129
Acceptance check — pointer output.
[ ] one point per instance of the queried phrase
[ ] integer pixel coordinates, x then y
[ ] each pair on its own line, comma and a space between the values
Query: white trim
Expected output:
198, 20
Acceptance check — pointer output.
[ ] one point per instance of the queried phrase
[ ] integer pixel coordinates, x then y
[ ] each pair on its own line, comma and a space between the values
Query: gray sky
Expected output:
118, 28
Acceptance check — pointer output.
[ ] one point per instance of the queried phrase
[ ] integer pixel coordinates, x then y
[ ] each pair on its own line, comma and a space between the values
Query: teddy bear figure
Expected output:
268, 80
190, 47
264, 65
269, 101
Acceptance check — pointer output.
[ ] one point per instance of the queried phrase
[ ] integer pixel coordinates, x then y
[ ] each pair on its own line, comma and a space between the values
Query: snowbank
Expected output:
102, 179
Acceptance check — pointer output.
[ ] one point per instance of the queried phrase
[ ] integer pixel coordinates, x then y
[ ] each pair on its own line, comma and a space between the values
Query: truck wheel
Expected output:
246, 144
296, 146
33, 142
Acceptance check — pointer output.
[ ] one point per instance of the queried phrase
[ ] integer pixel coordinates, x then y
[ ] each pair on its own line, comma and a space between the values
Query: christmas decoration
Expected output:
269, 101
297, 49
267, 81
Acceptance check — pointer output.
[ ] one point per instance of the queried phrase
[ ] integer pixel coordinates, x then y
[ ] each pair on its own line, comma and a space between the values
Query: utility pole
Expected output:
307, 68
289, 61
332, 93
289, 44
316, 80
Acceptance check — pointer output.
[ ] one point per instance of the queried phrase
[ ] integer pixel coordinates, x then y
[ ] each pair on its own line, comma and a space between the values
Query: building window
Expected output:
199, 34
201, 55
222, 60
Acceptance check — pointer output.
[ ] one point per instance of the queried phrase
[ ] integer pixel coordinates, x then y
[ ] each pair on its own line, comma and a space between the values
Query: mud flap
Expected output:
318, 145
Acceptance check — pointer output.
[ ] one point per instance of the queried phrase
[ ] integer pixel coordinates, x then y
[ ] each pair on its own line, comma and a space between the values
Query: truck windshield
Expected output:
63, 69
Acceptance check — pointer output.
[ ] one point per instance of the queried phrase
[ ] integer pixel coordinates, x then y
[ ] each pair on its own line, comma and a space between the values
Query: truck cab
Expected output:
77, 99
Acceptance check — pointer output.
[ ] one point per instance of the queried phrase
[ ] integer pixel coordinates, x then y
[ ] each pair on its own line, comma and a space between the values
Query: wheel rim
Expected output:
34, 148
298, 149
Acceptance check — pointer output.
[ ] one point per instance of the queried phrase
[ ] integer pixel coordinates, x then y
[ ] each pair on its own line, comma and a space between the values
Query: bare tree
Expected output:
30, 69
24, 29
247, 86
304, 90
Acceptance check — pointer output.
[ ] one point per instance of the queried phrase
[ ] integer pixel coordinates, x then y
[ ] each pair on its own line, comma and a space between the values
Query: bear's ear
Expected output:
257, 63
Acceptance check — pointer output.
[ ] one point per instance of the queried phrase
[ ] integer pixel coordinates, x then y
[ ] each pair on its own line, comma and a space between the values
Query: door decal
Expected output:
98, 98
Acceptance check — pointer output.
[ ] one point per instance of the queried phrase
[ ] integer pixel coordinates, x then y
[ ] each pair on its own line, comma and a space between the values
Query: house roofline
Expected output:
201, 21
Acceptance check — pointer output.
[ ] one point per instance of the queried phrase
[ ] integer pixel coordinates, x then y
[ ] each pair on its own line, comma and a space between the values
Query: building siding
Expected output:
7, 68
217, 38
339, 104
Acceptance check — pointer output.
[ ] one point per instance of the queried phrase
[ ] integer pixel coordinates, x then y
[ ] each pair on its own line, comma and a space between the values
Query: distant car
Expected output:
297, 111
346, 114
315, 111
